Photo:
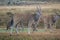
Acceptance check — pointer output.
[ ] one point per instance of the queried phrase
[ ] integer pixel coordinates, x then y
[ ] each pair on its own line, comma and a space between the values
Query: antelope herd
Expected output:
31, 21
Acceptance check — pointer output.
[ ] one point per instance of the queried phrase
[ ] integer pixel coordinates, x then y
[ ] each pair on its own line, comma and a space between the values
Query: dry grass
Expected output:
32, 36
23, 9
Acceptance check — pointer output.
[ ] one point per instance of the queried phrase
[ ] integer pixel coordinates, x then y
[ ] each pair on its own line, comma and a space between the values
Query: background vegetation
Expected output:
47, 9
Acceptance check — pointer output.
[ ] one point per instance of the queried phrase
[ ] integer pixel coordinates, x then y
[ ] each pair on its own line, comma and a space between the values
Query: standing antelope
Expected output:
30, 19
51, 20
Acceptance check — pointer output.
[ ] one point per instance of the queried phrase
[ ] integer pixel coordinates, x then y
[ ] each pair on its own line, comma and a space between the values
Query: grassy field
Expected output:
47, 9
25, 30
39, 35
32, 36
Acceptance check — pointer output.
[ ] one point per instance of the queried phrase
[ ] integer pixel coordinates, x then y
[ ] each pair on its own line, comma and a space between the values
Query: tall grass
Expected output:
29, 37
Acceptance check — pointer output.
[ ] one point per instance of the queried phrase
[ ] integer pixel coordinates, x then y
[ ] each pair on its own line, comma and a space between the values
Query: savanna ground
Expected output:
33, 36
47, 9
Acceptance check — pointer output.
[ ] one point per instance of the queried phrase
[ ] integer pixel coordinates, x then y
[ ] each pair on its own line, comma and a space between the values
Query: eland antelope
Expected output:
29, 18
51, 20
